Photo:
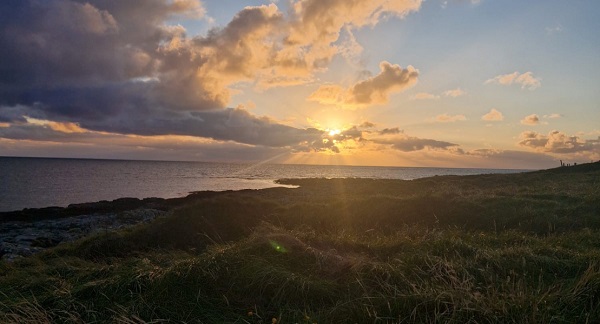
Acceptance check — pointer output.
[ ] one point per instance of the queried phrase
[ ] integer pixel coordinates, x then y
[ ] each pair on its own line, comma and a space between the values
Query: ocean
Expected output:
44, 182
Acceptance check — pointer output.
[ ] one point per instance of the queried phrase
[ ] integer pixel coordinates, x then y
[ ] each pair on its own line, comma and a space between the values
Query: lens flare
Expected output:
278, 247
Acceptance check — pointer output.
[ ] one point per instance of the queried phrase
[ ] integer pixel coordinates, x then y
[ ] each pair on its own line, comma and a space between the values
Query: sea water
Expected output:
44, 182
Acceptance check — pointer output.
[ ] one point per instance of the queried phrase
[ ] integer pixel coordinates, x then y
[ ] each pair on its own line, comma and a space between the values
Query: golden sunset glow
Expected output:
57, 126
419, 82
299, 161
333, 132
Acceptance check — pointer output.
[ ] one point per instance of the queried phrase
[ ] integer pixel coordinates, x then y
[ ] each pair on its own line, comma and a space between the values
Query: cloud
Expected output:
454, 93
445, 3
229, 124
14, 114
372, 91
37, 140
118, 66
407, 143
511, 159
367, 124
218, 126
59, 127
390, 131
244, 50
330, 94
445, 118
319, 22
531, 120
424, 96
396, 139
276, 139
526, 80
458, 92
70, 43
40, 138
100, 47
553, 116
558, 142
349, 47
554, 30
376, 90
493, 115
307, 39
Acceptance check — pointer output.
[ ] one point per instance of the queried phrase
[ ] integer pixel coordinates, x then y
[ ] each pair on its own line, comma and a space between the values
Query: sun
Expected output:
333, 132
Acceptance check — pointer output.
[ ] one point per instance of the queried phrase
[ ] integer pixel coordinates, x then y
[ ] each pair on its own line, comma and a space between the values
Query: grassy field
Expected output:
480, 249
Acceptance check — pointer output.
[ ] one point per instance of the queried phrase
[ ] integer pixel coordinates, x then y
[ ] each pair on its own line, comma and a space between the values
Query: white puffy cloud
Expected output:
493, 115
553, 116
526, 80
558, 142
376, 90
454, 93
319, 21
458, 92
424, 96
531, 120
446, 2
445, 118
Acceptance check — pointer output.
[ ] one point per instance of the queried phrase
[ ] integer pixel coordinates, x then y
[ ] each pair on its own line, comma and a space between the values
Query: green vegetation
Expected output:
488, 248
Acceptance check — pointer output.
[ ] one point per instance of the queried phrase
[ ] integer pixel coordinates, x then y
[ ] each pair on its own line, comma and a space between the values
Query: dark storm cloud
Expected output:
89, 49
59, 42
224, 124
235, 125
104, 145
13, 114
113, 65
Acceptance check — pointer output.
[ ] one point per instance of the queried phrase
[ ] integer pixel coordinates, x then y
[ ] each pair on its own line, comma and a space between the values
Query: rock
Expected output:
44, 242
24, 238
18, 239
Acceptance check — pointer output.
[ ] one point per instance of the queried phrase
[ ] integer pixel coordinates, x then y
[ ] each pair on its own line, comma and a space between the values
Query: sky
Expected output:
435, 83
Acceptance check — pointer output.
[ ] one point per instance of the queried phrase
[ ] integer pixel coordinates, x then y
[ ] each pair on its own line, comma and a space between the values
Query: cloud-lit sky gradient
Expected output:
456, 83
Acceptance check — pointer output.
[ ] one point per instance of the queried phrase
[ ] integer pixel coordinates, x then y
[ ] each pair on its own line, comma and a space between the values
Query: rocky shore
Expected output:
25, 232
20, 238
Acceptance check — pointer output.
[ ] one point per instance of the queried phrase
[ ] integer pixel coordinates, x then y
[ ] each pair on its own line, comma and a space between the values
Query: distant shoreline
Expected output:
131, 203
39, 183
254, 163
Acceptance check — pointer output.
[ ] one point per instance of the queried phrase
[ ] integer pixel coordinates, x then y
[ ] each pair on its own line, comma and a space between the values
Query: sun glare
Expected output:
333, 132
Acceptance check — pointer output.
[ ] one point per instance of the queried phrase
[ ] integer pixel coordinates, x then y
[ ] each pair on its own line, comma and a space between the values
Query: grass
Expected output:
479, 249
